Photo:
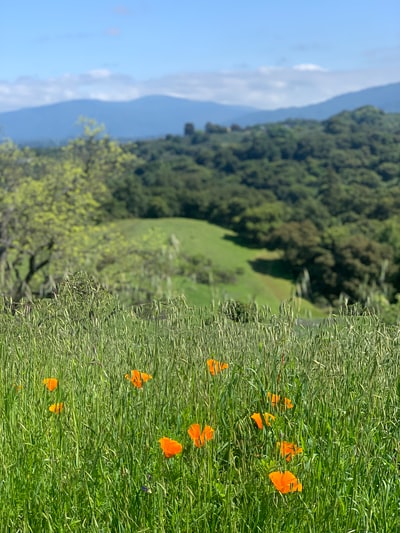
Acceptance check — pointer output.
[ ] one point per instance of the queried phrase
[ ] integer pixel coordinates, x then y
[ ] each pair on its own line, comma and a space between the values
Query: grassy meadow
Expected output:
97, 465
262, 277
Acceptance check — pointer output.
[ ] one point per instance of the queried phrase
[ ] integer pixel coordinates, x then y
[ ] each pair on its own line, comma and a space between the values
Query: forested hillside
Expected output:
326, 194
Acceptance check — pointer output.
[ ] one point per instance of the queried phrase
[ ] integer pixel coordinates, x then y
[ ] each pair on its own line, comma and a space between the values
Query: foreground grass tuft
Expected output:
97, 465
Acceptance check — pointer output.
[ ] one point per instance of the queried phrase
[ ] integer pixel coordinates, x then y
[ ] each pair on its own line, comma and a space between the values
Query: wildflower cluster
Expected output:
172, 447
284, 482
51, 384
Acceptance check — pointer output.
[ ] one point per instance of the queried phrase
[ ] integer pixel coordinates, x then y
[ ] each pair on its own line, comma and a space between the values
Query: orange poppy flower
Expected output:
285, 482
266, 418
289, 449
198, 437
138, 378
288, 403
276, 400
215, 367
170, 447
50, 383
56, 407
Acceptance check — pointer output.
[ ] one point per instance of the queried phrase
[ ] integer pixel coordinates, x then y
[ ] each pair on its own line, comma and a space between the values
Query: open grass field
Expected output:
329, 462
263, 278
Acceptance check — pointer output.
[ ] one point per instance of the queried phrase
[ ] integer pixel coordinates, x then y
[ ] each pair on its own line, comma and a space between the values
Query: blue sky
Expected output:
261, 53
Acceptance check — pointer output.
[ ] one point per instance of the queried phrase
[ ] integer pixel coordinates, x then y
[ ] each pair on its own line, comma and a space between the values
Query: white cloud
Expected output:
100, 73
268, 70
265, 87
308, 67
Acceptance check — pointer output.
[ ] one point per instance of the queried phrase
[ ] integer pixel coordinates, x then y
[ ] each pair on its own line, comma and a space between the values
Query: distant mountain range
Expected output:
385, 97
156, 116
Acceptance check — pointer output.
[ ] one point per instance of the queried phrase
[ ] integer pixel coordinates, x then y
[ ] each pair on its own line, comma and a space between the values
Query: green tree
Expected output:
101, 160
256, 224
37, 216
189, 129
45, 201
299, 241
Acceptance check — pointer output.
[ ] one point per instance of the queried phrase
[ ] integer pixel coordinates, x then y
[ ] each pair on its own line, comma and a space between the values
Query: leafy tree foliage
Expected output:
48, 205
37, 214
327, 194
189, 129
286, 186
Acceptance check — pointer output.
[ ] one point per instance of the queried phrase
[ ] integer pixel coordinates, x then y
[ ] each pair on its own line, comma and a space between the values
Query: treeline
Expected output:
325, 193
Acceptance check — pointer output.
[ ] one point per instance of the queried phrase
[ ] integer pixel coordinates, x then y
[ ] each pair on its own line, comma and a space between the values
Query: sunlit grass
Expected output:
97, 465
198, 237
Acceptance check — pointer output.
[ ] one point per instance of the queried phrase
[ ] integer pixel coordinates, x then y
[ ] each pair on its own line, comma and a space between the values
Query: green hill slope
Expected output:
262, 278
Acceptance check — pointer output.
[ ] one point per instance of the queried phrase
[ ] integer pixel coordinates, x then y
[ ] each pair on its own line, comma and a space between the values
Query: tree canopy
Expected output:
325, 194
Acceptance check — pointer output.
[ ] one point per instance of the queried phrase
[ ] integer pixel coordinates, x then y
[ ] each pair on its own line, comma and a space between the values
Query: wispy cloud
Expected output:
309, 67
266, 87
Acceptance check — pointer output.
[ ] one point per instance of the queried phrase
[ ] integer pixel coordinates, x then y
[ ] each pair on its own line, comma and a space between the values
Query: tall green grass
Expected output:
97, 466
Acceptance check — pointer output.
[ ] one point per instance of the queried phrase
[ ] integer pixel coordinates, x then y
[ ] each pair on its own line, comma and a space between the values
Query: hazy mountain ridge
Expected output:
150, 116
156, 116
385, 97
